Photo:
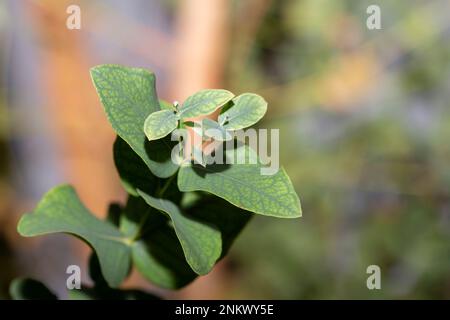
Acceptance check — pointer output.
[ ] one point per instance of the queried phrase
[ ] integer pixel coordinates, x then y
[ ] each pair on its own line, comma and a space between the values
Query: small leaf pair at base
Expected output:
160, 123
245, 110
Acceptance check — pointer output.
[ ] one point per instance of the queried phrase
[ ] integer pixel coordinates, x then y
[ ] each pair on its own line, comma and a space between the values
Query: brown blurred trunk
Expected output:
198, 62
83, 136
201, 44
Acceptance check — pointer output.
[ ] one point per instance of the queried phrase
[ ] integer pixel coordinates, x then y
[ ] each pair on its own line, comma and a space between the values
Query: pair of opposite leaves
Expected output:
237, 113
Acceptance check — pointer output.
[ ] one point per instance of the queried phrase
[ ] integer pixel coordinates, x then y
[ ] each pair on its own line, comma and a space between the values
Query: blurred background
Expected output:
364, 119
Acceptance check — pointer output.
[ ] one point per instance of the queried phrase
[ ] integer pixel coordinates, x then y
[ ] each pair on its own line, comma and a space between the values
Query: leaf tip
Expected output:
21, 225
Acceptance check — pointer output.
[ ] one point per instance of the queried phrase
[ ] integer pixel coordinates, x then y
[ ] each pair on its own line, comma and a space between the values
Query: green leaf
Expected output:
133, 172
214, 130
139, 218
159, 124
204, 102
30, 289
60, 210
165, 105
157, 254
159, 152
244, 186
247, 109
230, 220
159, 258
201, 242
101, 290
128, 96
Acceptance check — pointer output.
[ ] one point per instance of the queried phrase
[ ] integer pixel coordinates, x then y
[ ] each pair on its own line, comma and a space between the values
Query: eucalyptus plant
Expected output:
180, 218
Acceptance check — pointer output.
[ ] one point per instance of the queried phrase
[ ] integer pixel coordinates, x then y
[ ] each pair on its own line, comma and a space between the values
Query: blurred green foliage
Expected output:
375, 174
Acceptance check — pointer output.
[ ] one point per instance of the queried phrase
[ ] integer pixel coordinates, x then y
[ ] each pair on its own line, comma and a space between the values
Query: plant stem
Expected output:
138, 233
166, 185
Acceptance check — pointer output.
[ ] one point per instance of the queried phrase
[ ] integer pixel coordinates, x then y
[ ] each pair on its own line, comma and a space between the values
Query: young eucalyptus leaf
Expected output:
204, 102
138, 218
100, 290
165, 105
159, 152
60, 210
159, 124
133, 172
244, 186
159, 257
128, 96
201, 242
230, 220
156, 252
30, 289
212, 129
247, 109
